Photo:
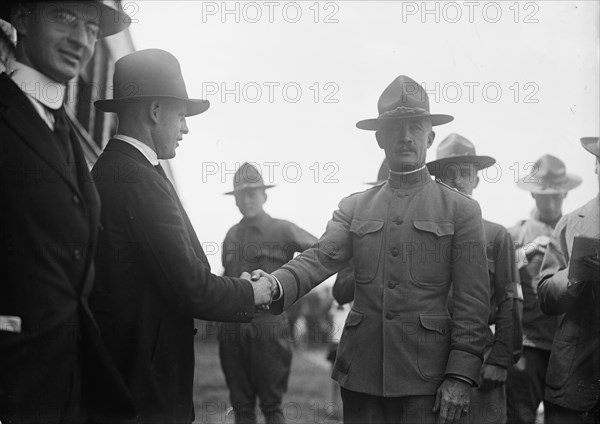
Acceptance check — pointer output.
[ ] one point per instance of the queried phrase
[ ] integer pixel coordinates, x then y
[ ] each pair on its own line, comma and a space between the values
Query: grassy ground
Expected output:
308, 400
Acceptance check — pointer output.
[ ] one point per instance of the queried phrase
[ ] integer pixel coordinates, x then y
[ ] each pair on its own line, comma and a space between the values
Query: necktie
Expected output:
62, 132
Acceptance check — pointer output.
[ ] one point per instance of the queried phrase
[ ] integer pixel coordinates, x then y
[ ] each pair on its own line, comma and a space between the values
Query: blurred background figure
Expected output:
256, 357
548, 184
457, 165
570, 285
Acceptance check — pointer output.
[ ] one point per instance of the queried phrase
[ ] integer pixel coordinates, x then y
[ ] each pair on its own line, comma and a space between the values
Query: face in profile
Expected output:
406, 143
57, 38
250, 202
170, 126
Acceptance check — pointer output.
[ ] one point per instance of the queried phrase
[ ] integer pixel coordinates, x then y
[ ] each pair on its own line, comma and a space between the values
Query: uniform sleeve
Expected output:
553, 293
508, 339
183, 276
471, 294
301, 238
343, 288
332, 251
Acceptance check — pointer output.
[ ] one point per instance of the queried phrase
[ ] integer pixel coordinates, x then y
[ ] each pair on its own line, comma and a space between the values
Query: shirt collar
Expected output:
143, 148
259, 222
37, 85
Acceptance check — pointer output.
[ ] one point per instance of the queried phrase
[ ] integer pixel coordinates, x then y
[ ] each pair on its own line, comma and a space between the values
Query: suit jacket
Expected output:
48, 225
153, 279
573, 377
408, 239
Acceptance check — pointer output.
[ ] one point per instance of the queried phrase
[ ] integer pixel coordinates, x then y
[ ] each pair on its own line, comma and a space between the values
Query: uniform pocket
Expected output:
367, 239
433, 346
431, 252
344, 353
561, 360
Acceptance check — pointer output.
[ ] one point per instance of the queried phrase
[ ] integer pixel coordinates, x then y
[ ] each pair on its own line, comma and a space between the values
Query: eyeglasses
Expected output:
69, 20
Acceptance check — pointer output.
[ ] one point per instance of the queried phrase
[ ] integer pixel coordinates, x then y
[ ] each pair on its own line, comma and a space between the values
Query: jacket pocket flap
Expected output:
360, 228
444, 228
437, 323
354, 318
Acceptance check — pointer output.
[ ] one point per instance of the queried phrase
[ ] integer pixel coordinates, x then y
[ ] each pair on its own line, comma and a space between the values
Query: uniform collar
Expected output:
37, 85
409, 181
259, 222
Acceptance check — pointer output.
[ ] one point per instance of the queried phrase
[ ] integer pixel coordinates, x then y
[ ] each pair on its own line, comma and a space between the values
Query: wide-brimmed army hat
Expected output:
149, 74
591, 145
111, 19
549, 176
456, 149
403, 99
247, 177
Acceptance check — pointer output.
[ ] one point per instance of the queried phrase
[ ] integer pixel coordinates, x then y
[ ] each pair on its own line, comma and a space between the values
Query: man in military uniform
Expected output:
402, 357
256, 357
457, 165
548, 184
570, 285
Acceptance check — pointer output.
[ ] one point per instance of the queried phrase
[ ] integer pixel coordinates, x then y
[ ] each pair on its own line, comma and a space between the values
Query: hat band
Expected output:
401, 111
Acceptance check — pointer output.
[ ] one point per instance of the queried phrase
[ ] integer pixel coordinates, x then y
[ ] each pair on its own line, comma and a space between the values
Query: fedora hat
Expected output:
148, 74
247, 177
403, 99
383, 174
111, 19
591, 145
458, 150
549, 176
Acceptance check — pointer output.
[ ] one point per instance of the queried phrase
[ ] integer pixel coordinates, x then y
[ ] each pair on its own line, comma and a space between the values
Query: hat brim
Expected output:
194, 106
376, 124
480, 162
591, 145
112, 20
247, 187
530, 184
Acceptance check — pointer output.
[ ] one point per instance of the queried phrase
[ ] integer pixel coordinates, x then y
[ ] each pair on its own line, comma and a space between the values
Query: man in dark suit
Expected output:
53, 366
402, 357
153, 276
570, 287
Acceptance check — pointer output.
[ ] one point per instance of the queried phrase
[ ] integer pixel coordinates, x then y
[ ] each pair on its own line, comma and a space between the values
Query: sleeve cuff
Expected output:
465, 379
280, 287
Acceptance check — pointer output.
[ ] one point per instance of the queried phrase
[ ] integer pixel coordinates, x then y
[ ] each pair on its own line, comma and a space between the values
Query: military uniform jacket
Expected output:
49, 219
573, 378
153, 279
409, 239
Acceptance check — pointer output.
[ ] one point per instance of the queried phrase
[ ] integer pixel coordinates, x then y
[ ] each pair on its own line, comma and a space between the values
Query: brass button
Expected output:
394, 251
391, 284
389, 316
77, 254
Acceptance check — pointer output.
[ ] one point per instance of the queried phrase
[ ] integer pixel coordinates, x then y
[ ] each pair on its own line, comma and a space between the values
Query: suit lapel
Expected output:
18, 112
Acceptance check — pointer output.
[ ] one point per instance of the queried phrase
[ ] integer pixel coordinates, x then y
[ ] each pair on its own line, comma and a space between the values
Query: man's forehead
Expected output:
90, 10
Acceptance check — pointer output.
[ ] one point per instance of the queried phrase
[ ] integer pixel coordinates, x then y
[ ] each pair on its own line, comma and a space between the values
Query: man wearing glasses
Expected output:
53, 365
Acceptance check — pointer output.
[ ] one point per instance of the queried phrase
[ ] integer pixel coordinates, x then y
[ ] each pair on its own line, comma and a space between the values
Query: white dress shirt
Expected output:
143, 148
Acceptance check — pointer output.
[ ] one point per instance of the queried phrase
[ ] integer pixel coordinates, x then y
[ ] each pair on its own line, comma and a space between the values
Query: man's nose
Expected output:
79, 34
184, 127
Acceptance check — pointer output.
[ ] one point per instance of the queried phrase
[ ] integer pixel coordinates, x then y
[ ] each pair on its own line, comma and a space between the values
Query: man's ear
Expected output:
430, 138
18, 18
154, 110
379, 139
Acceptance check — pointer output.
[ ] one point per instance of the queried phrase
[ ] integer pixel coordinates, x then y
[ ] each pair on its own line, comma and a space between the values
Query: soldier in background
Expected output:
548, 184
457, 165
256, 357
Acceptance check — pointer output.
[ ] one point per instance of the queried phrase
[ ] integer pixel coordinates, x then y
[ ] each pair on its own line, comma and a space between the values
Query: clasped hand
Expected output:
264, 286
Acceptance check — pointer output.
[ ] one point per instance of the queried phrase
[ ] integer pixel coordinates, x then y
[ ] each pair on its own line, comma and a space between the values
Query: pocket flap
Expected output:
443, 228
354, 318
360, 227
437, 323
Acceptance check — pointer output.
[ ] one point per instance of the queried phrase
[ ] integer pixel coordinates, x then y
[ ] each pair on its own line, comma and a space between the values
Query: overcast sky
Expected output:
288, 81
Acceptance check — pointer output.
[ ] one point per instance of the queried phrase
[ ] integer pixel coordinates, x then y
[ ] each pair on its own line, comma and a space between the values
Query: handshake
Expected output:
265, 287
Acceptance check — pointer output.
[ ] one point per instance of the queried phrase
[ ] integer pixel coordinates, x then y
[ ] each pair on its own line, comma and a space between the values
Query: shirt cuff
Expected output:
465, 379
280, 289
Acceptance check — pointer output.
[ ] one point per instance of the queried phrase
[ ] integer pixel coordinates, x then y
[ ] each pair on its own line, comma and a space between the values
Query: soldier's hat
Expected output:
456, 149
403, 99
111, 19
247, 177
549, 176
591, 145
149, 74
